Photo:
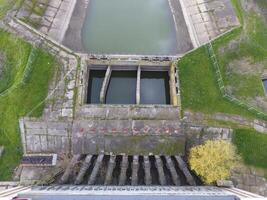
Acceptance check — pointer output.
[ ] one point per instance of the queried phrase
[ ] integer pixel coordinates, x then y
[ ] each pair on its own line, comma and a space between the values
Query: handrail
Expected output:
219, 79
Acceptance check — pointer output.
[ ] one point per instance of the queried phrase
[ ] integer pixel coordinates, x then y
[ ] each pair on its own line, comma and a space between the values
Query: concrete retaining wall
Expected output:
132, 145
197, 135
197, 118
45, 137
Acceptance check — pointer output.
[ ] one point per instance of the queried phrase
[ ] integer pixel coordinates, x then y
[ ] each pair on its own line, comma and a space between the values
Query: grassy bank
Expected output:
199, 89
12, 64
252, 146
243, 60
23, 98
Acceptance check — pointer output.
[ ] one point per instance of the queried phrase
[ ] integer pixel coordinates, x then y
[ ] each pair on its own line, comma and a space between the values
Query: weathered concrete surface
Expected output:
33, 175
113, 112
138, 86
196, 135
73, 36
55, 20
182, 165
147, 167
43, 137
182, 35
65, 177
208, 19
250, 179
105, 84
143, 145
131, 129
201, 118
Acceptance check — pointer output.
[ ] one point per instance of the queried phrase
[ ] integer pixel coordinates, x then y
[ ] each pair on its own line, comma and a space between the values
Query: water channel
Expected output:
129, 27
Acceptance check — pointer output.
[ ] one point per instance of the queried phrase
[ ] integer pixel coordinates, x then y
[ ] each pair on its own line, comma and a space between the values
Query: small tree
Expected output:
213, 160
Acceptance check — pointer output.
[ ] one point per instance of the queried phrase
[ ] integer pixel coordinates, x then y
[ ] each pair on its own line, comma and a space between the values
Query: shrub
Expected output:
213, 160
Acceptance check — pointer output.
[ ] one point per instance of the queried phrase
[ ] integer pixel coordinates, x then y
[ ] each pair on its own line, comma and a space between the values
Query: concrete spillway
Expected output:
127, 170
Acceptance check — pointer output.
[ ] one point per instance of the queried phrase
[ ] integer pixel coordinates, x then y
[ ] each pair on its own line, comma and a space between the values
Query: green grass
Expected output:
22, 99
199, 89
14, 62
252, 146
251, 45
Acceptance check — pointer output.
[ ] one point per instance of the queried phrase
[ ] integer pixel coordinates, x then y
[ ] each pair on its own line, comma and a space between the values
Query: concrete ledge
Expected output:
132, 145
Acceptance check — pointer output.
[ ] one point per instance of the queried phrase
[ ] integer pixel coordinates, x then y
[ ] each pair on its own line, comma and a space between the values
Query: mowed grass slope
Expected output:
22, 98
199, 88
243, 60
14, 55
252, 146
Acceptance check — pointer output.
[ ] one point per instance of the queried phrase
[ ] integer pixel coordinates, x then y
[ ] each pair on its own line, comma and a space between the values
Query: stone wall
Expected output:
128, 129
250, 179
45, 137
201, 118
196, 135
132, 145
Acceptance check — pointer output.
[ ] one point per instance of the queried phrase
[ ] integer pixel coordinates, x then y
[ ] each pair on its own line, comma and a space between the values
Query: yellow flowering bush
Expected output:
213, 160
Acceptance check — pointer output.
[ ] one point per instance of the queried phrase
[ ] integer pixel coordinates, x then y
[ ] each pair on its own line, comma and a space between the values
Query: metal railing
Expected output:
219, 79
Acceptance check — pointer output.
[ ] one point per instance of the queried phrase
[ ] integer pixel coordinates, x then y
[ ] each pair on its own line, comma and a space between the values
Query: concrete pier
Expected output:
159, 166
95, 171
64, 179
147, 167
124, 170
182, 165
173, 93
105, 85
135, 167
124, 166
83, 169
138, 86
111, 166
171, 167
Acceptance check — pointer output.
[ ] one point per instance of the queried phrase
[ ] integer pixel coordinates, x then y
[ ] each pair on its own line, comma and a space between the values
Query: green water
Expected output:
155, 88
96, 78
129, 27
122, 88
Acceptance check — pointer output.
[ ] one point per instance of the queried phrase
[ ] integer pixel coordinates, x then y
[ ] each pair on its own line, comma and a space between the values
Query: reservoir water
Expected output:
129, 27
95, 82
155, 87
122, 88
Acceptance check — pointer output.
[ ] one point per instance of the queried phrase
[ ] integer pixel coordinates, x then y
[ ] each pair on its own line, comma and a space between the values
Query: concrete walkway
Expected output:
208, 19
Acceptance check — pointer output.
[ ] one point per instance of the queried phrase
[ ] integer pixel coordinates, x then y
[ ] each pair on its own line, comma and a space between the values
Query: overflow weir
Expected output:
121, 170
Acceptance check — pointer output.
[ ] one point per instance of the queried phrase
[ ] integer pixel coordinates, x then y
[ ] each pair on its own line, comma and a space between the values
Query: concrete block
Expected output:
1, 151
